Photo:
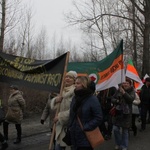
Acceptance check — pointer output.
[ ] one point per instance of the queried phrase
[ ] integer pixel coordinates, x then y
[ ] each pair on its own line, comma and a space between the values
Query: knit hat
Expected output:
72, 74
15, 87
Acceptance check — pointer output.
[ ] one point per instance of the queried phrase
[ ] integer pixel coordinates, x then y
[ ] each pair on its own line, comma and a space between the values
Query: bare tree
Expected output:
9, 17
113, 20
41, 45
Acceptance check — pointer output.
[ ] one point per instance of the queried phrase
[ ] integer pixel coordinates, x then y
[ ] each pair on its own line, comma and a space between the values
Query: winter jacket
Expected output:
123, 105
48, 113
104, 97
90, 116
63, 115
16, 103
136, 102
145, 94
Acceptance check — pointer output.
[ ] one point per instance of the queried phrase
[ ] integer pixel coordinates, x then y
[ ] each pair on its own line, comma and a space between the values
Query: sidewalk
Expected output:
37, 137
34, 134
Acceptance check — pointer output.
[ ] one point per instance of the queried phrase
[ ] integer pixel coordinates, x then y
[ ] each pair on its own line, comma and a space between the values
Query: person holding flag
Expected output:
63, 102
104, 98
121, 120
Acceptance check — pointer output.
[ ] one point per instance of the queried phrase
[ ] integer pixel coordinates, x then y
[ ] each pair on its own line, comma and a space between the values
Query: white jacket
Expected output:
136, 102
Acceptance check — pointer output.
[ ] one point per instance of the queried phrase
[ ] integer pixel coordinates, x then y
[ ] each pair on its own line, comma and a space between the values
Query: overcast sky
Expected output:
49, 13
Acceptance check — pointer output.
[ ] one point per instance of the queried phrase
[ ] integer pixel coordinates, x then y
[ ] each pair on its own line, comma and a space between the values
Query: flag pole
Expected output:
122, 60
57, 111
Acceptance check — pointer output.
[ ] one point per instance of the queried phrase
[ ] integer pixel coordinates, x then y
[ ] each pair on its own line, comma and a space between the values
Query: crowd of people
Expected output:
114, 110
127, 106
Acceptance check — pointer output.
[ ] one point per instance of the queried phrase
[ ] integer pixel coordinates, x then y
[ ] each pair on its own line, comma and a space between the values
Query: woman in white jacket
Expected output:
135, 113
62, 117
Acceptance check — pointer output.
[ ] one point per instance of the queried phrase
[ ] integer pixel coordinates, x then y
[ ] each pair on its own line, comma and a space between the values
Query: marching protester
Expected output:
63, 101
121, 120
47, 112
135, 113
104, 97
14, 115
145, 102
86, 107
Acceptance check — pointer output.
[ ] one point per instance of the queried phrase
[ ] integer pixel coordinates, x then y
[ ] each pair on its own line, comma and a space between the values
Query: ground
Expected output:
30, 126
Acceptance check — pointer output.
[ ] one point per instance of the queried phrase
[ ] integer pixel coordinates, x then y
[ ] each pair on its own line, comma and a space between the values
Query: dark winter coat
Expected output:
123, 104
145, 94
104, 97
90, 116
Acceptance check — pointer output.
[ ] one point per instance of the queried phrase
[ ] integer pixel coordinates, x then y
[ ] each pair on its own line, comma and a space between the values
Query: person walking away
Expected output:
145, 102
104, 97
14, 115
135, 113
121, 120
61, 119
87, 107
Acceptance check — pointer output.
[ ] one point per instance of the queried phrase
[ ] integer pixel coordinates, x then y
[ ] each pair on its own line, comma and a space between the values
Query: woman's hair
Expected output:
85, 81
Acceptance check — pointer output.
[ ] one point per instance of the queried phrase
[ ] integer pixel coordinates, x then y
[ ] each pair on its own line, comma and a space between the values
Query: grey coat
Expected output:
48, 113
123, 114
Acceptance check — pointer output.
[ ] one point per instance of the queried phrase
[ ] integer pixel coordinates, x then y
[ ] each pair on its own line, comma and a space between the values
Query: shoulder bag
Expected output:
94, 137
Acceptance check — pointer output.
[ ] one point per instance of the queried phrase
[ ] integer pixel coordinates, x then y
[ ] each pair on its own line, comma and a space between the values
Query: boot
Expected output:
4, 145
17, 141
5, 130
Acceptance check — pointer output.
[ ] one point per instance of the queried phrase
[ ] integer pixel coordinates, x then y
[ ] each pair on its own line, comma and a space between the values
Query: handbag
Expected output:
67, 137
94, 137
135, 109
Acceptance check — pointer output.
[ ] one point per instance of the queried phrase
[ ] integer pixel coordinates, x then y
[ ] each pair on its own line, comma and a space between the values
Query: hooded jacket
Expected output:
16, 104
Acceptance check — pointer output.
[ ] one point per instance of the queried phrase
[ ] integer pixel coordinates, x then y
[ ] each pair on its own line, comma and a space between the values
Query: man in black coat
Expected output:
145, 102
104, 97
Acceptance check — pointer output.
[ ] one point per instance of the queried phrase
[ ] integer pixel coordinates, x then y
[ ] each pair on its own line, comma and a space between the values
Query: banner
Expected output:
37, 74
107, 72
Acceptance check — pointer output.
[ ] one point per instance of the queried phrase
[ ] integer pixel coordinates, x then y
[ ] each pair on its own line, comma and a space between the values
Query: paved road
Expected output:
40, 141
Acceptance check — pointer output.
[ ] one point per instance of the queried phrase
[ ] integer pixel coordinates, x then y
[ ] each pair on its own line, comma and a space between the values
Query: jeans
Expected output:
121, 136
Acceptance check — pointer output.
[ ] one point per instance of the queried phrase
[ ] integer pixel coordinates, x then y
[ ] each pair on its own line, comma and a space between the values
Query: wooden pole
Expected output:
57, 111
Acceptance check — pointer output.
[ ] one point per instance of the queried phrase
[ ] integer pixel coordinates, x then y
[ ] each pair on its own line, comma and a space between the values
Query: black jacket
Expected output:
145, 94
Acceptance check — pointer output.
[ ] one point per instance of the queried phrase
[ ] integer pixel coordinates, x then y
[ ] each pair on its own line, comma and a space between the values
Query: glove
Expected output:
42, 121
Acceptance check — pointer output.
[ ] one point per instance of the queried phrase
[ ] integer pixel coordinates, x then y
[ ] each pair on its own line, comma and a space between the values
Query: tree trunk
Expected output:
146, 41
2, 25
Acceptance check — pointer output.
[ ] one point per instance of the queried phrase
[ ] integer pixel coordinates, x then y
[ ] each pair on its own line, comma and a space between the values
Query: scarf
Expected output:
80, 96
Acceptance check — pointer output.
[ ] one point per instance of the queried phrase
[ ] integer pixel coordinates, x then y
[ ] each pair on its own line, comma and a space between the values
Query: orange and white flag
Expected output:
132, 73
